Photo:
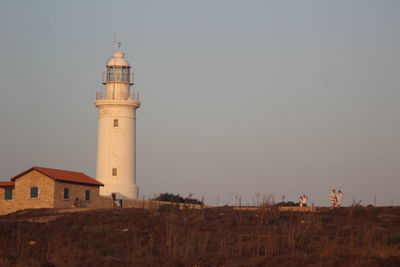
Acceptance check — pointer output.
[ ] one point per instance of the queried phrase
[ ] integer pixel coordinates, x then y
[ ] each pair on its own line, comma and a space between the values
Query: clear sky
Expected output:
239, 98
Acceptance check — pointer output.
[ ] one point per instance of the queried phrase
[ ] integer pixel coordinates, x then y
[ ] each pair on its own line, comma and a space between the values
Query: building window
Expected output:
125, 74
114, 172
8, 193
87, 195
66, 193
34, 192
117, 74
115, 122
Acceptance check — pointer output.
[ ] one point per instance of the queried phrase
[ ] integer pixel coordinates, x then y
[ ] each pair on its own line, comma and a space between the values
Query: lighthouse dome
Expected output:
118, 59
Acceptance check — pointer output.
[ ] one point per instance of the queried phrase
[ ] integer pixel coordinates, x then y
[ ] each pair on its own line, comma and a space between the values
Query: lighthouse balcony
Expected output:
130, 96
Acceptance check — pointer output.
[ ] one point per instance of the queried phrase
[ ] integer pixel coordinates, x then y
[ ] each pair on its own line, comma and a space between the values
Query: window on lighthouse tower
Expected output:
118, 74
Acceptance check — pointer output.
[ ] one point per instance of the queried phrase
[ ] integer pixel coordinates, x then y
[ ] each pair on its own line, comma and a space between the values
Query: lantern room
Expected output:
118, 70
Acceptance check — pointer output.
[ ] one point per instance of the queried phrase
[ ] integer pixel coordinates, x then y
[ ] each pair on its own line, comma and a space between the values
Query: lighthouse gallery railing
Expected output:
133, 96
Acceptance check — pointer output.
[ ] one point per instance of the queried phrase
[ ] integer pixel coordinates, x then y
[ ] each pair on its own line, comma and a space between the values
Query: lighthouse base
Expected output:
121, 190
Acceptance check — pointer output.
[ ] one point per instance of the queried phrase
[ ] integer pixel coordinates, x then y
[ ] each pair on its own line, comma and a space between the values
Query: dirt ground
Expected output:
354, 236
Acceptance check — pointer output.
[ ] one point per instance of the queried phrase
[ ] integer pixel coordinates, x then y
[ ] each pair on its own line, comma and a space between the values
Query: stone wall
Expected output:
22, 191
280, 208
51, 194
107, 202
6, 206
21, 198
75, 191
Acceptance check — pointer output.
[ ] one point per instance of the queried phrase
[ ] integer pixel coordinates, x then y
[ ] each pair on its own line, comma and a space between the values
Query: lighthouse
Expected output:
116, 140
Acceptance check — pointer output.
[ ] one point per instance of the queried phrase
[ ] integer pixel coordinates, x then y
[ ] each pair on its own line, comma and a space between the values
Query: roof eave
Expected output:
73, 182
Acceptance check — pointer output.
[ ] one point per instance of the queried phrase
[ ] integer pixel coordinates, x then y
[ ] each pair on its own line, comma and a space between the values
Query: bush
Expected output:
393, 239
168, 197
287, 204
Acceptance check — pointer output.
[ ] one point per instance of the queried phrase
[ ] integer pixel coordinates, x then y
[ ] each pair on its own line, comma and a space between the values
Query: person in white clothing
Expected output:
339, 197
301, 201
332, 198
305, 199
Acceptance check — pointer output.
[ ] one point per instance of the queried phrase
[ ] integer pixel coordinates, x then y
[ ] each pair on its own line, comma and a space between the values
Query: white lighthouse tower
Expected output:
116, 143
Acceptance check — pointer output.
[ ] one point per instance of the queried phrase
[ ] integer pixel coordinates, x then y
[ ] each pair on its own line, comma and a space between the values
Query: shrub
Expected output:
393, 239
168, 197
287, 204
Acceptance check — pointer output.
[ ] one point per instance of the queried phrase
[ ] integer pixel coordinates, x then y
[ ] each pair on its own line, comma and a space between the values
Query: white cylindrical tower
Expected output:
116, 141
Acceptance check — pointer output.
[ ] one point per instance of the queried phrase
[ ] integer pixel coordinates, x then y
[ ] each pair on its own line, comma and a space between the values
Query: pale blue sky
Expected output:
238, 97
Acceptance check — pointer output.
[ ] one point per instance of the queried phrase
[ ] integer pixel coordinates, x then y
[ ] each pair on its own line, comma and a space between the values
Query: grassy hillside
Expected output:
206, 237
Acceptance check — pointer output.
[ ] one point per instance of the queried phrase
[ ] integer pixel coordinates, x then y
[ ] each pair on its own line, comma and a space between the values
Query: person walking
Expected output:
339, 197
333, 198
76, 202
305, 199
301, 201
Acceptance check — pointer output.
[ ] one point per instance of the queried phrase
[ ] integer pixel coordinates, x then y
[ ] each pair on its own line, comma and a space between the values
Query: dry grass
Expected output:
204, 237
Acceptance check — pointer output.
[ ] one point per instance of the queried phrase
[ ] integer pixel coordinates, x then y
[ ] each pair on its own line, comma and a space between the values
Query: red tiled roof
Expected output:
6, 184
64, 176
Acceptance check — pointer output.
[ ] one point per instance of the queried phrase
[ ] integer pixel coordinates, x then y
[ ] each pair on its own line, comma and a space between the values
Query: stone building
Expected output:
40, 187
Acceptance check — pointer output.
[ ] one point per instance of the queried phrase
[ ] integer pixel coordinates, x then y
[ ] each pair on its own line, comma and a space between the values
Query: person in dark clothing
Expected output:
76, 202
